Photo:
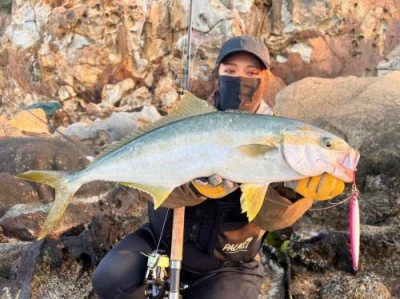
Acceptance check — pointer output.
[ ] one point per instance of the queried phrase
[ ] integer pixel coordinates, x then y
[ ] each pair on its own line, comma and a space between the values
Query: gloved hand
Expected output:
321, 187
214, 186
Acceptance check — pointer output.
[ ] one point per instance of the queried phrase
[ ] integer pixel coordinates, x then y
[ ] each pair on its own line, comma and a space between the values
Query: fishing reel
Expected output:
157, 274
157, 277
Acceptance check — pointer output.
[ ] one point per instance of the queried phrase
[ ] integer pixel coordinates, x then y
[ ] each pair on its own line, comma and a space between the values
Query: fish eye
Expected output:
327, 142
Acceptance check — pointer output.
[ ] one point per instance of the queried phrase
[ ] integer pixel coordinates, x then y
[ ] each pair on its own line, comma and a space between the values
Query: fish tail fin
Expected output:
65, 187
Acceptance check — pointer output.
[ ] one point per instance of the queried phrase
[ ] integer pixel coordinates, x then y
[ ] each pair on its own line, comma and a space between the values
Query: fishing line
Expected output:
81, 149
315, 209
182, 73
162, 230
189, 48
353, 195
159, 240
333, 205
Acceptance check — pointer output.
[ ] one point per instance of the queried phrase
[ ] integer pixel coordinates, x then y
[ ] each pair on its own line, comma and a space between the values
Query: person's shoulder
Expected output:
264, 109
211, 98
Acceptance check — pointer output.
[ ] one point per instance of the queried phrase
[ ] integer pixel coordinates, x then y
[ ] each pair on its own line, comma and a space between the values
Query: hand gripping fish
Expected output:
195, 141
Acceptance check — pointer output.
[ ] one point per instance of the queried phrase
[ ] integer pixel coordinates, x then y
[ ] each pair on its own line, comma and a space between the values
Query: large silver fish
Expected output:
198, 141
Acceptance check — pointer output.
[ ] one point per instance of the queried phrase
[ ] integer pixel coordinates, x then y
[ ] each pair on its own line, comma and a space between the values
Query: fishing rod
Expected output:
157, 261
178, 224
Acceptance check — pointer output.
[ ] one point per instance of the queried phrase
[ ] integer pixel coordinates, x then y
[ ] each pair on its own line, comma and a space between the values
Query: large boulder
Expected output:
28, 153
14, 191
365, 112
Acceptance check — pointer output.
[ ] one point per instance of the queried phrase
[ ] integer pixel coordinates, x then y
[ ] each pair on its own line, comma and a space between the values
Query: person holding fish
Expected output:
220, 241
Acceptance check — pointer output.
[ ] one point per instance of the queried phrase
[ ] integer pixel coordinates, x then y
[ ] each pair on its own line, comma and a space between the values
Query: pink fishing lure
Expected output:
354, 226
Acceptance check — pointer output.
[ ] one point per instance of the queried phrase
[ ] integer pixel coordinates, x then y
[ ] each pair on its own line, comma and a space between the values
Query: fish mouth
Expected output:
346, 168
344, 174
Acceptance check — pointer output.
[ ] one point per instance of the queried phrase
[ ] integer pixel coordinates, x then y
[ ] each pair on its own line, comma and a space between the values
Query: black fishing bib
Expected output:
216, 233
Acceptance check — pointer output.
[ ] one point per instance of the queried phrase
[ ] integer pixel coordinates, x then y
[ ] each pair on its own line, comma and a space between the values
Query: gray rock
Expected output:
321, 264
390, 63
275, 280
10, 254
17, 285
15, 191
140, 97
22, 154
117, 126
364, 286
6, 5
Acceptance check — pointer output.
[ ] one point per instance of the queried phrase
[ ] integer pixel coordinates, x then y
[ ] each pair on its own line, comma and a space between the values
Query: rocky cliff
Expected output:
94, 71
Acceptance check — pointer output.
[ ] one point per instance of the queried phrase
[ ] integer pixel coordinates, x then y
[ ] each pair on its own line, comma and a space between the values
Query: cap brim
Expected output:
265, 64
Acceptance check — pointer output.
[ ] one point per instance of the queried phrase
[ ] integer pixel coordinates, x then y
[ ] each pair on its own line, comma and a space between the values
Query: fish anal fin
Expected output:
158, 193
252, 198
256, 150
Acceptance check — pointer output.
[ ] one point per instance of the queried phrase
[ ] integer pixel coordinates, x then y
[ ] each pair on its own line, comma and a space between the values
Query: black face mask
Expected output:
237, 91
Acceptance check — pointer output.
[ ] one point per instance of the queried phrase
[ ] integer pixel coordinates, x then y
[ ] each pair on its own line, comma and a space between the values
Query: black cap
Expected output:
247, 44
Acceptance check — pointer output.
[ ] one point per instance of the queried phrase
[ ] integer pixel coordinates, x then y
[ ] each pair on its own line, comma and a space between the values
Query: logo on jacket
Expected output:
234, 248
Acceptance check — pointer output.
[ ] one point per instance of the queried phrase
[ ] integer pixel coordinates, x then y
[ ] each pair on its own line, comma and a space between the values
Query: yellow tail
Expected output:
65, 188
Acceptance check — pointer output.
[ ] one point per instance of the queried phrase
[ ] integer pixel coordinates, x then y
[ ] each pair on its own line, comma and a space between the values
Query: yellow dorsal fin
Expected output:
252, 199
190, 105
255, 150
159, 194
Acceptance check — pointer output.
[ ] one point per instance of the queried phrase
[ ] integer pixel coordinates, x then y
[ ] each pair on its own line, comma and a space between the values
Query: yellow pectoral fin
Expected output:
252, 199
158, 193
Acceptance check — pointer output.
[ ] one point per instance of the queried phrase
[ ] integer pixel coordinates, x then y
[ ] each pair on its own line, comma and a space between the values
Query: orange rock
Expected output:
7, 130
3, 119
30, 122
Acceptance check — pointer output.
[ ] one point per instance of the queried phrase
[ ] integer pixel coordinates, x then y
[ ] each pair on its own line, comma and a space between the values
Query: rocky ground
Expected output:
91, 72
